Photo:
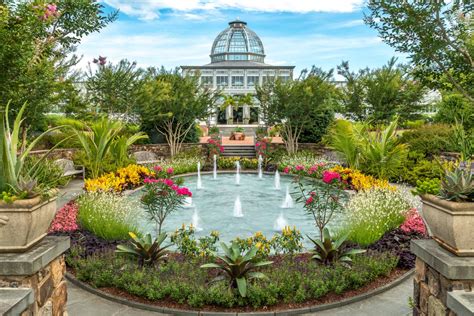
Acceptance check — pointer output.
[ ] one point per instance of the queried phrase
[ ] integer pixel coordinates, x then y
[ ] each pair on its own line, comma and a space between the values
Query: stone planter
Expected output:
450, 223
24, 223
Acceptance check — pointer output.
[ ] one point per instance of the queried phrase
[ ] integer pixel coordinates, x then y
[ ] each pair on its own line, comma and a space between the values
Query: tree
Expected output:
381, 94
36, 38
436, 35
112, 89
294, 104
353, 92
172, 104
455, 108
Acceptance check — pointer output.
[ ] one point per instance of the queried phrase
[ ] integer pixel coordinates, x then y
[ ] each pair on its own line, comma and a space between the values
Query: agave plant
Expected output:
238, 267
328, 251
13, 173
458, 186
147, 250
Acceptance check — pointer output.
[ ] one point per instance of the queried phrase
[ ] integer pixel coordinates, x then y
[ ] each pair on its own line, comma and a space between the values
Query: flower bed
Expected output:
123, 179
291, 280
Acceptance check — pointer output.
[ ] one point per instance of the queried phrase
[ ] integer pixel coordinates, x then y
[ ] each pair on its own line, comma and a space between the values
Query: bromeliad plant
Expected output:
15, 176
147, 250
329, 251
161, 198
238, 267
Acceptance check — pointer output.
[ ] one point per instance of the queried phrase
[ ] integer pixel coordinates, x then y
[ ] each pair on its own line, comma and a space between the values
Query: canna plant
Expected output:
238, 267
15, 174
329, 251
147, 250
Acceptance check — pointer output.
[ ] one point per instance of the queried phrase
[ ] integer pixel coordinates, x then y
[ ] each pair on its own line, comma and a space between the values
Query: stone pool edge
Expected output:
184, 312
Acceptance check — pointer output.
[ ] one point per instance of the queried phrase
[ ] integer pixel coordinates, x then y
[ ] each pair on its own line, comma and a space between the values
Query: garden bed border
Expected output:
186, 312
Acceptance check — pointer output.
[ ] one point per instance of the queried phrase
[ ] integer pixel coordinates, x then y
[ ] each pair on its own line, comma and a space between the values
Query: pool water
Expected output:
261, 207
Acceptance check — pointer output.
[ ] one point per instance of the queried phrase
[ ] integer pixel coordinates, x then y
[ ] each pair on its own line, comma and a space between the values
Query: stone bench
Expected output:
69, 169
146, 158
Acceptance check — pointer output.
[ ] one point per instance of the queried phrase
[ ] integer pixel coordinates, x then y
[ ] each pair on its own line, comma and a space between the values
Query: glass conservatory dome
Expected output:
237, 43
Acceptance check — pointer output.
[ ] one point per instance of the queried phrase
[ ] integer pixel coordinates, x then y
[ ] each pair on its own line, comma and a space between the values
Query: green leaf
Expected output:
211, 265
242, 286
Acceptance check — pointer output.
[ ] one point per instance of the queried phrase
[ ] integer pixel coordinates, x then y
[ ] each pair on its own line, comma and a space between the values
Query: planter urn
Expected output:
24, 223
451, 224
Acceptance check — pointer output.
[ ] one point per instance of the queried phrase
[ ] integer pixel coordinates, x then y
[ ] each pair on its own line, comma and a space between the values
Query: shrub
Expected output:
288, 242
108, 215
185, 240
430, 140
422, 169
258, 240
372, 213
148, 251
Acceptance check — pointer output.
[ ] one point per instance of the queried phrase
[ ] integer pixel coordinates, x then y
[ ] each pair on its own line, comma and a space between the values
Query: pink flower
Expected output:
65, 219
287, 169
169, 170
330, 176
158, 168
184, 191
174, 187
149, 180
221, 149
168, 182
313, 169
299, 168
414, 223
309, 200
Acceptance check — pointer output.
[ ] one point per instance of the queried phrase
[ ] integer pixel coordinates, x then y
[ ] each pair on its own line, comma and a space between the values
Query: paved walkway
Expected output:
69, 192
391, 303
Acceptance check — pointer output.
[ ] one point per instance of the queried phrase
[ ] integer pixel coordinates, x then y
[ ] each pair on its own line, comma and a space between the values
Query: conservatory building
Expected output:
237, 66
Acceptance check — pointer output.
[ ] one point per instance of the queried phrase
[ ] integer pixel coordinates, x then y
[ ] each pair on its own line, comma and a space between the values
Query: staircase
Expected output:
247, 151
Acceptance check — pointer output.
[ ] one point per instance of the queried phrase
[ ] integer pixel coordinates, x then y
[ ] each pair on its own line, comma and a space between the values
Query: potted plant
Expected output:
450, 215
26, 208
239, 133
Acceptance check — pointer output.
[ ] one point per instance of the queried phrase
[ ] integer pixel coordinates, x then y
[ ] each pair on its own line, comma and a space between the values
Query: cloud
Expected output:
150, 9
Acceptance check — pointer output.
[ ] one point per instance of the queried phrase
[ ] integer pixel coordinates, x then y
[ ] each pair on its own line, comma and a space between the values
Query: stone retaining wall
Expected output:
41, 269
437, 274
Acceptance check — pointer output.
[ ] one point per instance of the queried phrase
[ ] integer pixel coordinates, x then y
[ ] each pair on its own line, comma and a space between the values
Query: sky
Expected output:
294, 32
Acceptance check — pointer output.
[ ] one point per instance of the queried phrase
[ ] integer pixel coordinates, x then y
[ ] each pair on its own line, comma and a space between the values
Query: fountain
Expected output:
260, 160
288, 203
214, 171
238, 207
277, 180
195, 221
280, 223
199, 182
237, 174
188, 202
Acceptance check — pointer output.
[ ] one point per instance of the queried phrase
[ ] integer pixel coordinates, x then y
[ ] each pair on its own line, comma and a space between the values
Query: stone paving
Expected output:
82, 303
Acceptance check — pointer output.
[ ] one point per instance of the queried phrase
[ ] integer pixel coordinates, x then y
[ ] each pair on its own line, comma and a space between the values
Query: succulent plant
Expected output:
458, 186
147, 250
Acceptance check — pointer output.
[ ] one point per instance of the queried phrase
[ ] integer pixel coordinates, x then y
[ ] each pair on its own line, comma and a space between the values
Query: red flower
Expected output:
414, 223
331, 176
287, 169
299, 168
158, 168
309, 200
65, 219
169, 170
